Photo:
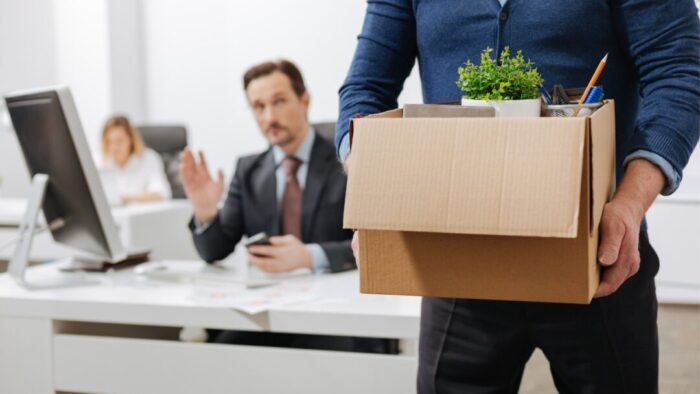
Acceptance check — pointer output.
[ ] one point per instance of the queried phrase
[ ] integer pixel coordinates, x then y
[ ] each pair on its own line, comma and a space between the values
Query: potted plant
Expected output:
510, 85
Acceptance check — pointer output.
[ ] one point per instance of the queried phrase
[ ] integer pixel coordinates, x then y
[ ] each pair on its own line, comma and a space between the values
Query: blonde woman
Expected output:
130, 172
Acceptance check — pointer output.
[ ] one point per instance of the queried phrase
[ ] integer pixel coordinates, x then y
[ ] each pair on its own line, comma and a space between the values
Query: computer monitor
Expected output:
65, 182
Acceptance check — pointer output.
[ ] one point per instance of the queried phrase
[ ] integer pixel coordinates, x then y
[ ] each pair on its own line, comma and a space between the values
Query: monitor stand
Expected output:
27, 229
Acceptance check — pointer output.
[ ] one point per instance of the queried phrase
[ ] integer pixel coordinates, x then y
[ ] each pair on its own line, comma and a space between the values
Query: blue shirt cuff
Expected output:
319, 260
200, 228
344, 147
673, 178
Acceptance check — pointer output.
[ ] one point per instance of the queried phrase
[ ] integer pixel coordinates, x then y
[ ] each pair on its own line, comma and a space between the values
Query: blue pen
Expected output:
595, 95
545, 95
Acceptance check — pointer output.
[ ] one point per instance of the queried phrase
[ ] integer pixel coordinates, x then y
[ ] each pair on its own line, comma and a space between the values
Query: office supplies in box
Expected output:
485, 208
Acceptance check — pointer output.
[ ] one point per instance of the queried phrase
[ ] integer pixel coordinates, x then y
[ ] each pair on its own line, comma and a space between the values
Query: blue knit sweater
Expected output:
653, 69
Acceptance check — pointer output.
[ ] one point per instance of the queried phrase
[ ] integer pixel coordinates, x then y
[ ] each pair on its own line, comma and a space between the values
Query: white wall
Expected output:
127, 67
691, 173
90, 45
197, 52
27, 59
82, 41
49, 42
27, 50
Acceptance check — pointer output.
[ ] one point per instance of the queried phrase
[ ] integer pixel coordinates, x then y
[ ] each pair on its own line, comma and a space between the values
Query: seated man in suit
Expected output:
294, 191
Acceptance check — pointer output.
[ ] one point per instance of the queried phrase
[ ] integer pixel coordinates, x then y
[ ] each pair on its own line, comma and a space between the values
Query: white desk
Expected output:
159, 226
38, 354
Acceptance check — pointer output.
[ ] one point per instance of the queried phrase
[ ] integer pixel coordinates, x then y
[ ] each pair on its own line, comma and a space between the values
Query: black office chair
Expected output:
325, 130
168, 141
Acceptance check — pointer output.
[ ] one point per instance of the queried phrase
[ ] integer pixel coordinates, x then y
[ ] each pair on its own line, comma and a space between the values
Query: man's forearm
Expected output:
640, 185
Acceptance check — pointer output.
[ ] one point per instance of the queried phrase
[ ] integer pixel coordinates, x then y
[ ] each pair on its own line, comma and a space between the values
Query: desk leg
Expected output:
26, 355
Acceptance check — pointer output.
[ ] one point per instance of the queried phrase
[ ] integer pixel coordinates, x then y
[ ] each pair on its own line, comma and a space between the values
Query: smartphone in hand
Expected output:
258, 239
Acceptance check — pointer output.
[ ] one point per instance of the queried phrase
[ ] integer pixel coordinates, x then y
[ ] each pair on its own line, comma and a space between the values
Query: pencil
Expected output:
592, 82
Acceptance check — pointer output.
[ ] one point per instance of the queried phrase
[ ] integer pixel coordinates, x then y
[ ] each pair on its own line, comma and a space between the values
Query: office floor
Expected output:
679, 358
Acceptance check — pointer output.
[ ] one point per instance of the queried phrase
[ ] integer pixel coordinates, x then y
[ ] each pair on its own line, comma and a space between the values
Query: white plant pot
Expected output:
508, 108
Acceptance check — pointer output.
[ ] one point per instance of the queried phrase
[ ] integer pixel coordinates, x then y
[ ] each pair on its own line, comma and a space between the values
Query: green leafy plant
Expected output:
512, 78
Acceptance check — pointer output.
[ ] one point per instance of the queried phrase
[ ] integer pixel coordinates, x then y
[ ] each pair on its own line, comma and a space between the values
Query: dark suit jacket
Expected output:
251, 207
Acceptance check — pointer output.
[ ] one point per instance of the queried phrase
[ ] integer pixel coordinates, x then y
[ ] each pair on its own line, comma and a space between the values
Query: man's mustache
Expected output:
275, 126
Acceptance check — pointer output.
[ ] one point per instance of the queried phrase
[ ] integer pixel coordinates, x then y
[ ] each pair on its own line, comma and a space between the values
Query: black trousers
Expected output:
609, 346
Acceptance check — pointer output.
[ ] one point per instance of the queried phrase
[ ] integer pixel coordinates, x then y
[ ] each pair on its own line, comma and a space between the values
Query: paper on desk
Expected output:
254, 301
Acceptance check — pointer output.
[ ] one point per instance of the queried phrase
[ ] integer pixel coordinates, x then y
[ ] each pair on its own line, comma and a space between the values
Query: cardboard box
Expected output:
486, 208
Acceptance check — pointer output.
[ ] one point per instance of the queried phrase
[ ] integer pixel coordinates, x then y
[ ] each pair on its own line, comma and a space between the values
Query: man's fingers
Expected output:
203, 162
188, 178
265, 264
262, 250
186, 174
220, 178
186, 156
190, 171
612, 231
203, 168
258, 261
282, 239
276, 240
612, 279
187, 164
627, 264
629, 254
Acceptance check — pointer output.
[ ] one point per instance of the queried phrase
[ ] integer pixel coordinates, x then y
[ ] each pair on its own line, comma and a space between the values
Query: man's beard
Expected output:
284, 135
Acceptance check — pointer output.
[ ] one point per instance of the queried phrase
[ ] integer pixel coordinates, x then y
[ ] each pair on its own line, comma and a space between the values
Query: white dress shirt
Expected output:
143, 173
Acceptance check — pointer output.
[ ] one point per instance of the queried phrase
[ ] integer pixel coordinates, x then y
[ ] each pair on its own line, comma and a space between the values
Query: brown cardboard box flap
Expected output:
502, 176
602, 160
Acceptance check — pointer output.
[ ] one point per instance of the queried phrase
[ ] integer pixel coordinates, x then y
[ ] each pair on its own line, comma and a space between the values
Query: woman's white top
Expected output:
143, 173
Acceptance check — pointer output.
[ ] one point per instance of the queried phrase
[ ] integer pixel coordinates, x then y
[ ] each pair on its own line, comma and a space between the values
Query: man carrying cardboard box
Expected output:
653, 74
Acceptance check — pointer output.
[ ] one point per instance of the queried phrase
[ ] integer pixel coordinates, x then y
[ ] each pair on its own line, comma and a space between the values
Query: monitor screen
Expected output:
53, 143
